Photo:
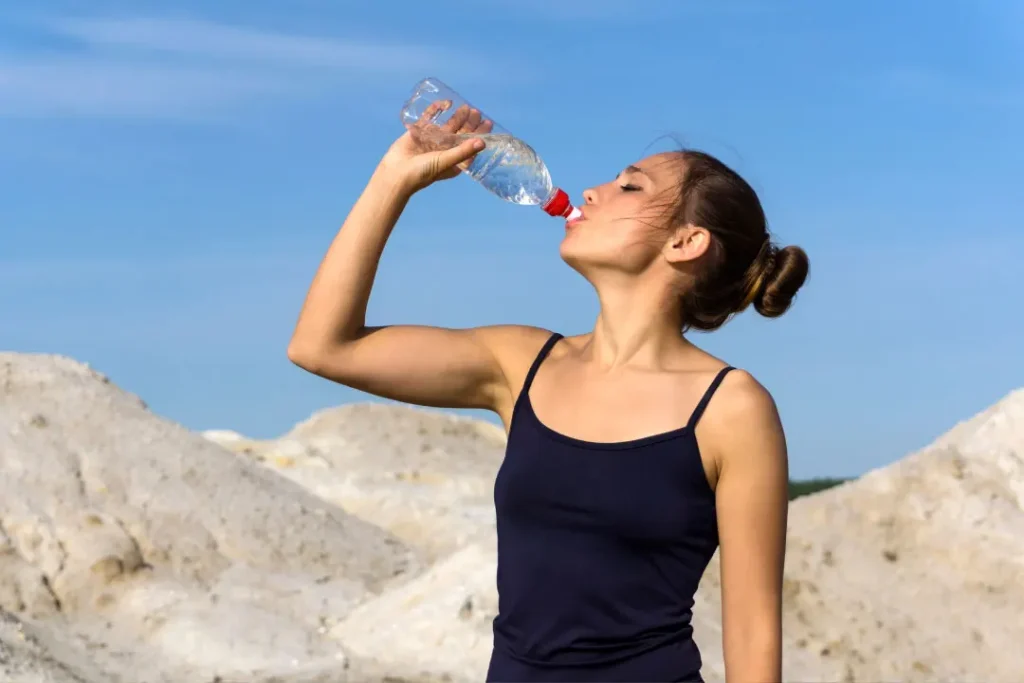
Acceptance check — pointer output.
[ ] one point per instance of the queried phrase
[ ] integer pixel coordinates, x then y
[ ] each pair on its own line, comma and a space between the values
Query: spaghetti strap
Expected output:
699, 410
544, 351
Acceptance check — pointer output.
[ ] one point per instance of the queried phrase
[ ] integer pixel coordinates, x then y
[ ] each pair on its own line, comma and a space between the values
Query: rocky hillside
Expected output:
151, 550
360, 547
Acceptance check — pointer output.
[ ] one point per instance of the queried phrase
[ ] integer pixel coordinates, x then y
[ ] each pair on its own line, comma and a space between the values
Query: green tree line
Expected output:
807, 486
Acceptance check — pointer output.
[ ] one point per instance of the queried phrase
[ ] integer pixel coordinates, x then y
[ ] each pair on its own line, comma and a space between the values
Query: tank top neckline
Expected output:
525, 404
527, 407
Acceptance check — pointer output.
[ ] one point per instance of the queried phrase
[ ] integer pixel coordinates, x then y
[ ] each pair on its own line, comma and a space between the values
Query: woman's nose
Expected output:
589, 195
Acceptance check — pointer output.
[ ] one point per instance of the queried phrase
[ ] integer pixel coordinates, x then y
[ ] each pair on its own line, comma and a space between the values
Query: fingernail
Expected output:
478, 144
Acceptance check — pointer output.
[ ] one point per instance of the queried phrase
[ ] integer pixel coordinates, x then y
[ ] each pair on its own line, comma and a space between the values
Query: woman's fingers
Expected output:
444, 164
458, 119
472, 123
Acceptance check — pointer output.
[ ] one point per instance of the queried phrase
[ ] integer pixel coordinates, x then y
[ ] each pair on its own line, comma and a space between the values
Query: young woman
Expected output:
632, 454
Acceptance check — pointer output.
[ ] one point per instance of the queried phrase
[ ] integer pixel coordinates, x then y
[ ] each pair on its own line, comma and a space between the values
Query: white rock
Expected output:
134, 550
425, 476
158, 551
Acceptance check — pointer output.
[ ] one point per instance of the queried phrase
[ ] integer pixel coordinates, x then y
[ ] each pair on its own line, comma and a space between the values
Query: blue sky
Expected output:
169, 179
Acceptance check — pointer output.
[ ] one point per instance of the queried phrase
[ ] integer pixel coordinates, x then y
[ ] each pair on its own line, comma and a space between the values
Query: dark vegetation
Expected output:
807, 486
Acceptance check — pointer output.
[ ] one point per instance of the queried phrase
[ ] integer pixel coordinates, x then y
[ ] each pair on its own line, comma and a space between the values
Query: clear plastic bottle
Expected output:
507, 166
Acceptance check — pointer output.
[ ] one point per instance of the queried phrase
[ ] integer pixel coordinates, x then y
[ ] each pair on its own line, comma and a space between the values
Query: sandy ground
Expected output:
360, 547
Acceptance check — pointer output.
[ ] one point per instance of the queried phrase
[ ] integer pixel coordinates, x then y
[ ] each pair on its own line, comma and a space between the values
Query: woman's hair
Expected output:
742, 266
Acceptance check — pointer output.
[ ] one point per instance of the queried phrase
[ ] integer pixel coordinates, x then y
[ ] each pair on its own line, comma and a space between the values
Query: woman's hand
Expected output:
428, 152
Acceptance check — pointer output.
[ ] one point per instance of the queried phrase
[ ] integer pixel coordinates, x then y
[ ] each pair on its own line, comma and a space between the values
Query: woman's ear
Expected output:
687, 243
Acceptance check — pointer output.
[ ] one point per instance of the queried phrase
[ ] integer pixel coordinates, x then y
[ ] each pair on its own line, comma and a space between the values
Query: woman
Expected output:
632, 454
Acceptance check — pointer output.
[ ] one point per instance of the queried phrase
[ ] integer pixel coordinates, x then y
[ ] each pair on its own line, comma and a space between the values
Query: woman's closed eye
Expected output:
630, 188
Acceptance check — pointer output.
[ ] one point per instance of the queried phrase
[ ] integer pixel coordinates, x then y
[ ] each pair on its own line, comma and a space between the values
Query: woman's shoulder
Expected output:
514, 341
732, 394
741, 421
739, 395
515, 347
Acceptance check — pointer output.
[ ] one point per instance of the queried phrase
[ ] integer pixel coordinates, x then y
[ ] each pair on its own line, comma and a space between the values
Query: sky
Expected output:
170, 177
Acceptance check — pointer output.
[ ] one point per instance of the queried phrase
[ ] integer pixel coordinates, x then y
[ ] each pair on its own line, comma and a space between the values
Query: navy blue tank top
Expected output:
600, 550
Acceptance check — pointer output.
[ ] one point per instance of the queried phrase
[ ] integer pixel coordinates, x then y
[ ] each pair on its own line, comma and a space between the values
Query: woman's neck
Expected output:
635, 327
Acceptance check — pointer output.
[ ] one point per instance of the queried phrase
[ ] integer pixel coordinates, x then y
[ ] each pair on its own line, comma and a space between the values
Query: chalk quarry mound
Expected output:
360, 546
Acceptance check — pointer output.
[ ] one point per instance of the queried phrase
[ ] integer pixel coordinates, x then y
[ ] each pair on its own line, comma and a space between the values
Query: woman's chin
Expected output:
569, 255
568, 250
577, 258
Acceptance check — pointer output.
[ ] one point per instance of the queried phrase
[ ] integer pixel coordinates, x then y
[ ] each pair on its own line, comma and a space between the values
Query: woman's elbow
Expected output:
304, 355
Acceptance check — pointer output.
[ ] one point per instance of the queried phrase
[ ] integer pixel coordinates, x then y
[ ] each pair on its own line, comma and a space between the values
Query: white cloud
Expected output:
191, 69
247, 45
92, 87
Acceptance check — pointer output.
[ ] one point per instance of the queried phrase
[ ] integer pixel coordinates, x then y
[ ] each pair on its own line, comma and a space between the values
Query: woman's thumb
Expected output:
462, 152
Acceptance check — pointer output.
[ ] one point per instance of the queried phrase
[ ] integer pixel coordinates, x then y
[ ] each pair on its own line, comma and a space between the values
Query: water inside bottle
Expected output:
510, 168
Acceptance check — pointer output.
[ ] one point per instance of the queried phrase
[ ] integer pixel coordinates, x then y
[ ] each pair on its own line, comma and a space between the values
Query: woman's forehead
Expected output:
661, 166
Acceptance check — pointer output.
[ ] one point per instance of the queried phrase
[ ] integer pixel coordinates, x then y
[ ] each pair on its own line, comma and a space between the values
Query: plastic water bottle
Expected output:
507, 166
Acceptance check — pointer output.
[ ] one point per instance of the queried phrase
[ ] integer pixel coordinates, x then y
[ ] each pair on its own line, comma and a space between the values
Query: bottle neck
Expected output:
558, 204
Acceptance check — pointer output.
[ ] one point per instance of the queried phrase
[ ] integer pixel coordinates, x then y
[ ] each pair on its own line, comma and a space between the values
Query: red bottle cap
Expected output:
559, 204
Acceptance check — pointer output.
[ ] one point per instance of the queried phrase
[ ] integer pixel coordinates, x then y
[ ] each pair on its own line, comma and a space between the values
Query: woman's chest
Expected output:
625, 407
650, 491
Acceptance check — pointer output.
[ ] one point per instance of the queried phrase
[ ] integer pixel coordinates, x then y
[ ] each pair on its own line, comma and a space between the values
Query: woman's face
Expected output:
624, 223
